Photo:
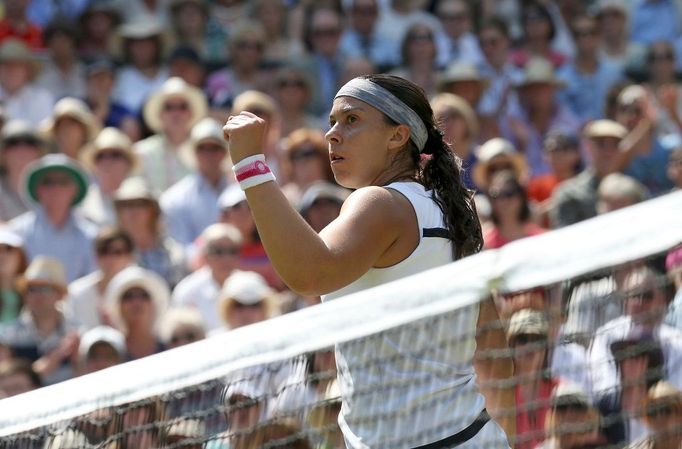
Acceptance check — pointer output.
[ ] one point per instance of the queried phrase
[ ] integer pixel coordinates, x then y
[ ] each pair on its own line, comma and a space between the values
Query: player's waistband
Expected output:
462, 436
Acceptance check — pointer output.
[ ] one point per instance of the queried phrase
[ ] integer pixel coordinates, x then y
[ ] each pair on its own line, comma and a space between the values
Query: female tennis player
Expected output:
409, 212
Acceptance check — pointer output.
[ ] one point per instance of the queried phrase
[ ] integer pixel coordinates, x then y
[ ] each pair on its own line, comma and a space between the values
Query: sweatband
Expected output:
380, 98
252, 171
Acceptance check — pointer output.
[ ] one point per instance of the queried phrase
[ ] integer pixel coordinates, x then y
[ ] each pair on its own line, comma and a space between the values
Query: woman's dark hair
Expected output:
508, 179
440, 171
536, 8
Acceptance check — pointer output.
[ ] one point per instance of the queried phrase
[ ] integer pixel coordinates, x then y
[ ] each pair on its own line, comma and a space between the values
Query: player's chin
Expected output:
344, 179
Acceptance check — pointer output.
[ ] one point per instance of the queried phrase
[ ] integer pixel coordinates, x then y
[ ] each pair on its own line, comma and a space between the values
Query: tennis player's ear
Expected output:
400, 137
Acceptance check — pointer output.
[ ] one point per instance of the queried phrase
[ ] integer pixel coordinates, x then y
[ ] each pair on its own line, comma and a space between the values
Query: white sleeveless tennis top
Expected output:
416, 384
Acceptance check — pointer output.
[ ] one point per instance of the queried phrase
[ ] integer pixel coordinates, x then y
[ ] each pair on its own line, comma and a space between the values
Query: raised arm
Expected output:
372, 219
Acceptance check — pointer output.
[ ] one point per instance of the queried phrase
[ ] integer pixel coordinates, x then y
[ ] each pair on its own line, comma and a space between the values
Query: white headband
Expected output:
379, 97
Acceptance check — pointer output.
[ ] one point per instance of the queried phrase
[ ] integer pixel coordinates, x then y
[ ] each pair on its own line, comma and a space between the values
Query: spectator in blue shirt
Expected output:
654, 20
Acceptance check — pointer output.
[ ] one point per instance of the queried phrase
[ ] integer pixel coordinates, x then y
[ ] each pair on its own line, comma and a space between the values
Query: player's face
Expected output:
359, 139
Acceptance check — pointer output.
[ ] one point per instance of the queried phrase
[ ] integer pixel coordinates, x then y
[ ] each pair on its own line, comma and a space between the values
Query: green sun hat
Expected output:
55, 162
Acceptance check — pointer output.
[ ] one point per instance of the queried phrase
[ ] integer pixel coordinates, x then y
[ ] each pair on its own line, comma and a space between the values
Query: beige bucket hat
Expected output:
494, 150
110, 138
16, 50
460, 71
44, 270
174, 87
539, 70
605, 128
75, 109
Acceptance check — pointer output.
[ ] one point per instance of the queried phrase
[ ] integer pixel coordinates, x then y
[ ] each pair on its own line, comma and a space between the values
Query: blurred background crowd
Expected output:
124, 234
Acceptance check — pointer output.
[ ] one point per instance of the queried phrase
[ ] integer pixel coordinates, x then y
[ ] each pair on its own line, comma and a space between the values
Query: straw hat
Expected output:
460, 71
527, 322
16, 50
539, 70
44, 270
246, 288
134, 276
253, 100
135, 188
20, 129
664, 392
605, 128
55, 162
208, 129
174, 87
568, 393
496, 149
110, 138
76, 109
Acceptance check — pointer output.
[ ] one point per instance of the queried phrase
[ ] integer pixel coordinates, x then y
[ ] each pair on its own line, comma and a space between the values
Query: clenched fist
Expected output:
244, 134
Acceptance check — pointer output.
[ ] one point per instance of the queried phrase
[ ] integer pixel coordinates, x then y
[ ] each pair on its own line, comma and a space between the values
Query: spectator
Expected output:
244, 299
141, 47
673, 267
43, 334
17, 376
323, 418
20, 144
185, 432
653, 21
86, 302
576, 199
456, 43
22, 99
280, 46
645, 158
538, 114
663, 417
572, 422
612, 20
457, 120
243, 404
12, 267
220, 246
539, 30
354, 67
498, 155
101, 347
246, 48
562, 152
180, 326
305, 160
138, 213
675, 167
170, 112
511, 213
321, 39
234, 210
16, 25
617, 191
662, 84
110, 159
639, 360
360, 39
191, 204
64, 75
645, 306
419, 62
66, 439
464, 80
321, 204
185, 63
587, 78
156, 11
397, 16
528, 338
109, 113
293, 91
139, 424
495, 41
71, 126
136, 300
194, 28
98, 23
56, 185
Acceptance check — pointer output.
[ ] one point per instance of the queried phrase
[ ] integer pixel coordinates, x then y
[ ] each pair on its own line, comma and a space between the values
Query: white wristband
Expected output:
252, 171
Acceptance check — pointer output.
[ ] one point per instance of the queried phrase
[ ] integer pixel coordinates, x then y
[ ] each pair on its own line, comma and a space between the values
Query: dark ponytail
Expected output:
439, 171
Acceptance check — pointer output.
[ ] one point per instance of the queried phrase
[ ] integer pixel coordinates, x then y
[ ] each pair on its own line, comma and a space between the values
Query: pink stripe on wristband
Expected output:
252, 171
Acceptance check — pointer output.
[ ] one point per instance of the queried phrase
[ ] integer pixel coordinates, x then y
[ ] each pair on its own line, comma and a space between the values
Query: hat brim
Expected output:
89, 154
529, 82
78, 177
480, 172
22, 284
152, 109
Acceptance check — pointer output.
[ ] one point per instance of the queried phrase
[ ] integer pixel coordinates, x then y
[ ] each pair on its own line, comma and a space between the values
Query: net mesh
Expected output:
581, 308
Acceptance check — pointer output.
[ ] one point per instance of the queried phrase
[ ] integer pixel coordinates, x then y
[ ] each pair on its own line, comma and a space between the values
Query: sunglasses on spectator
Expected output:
661, 411
182, 106
55, 181
210, 148
589, 32
291, 83
222, 251
110, 154
136, 293
645, 295
41, 289
303, 153
115, 251
504, 194
239, 305
16, 141
564, 407
134, 203
526, 339
188, 336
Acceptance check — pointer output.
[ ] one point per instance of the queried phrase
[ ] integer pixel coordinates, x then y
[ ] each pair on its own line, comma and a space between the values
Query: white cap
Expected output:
246, 287
10, 238
231, 196
102, 334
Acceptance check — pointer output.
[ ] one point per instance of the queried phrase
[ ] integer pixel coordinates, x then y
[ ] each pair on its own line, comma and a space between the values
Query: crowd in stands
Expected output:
124, 234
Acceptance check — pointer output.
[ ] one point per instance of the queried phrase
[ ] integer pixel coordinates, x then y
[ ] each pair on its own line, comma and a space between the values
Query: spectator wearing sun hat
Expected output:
246, 298
21, 97
111, 160
136, 300
100, 347
191, 204
60, 130
55, 185
663, 418
576, 199
496, 155
43, 334
170, 112
464, 80
20, 144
